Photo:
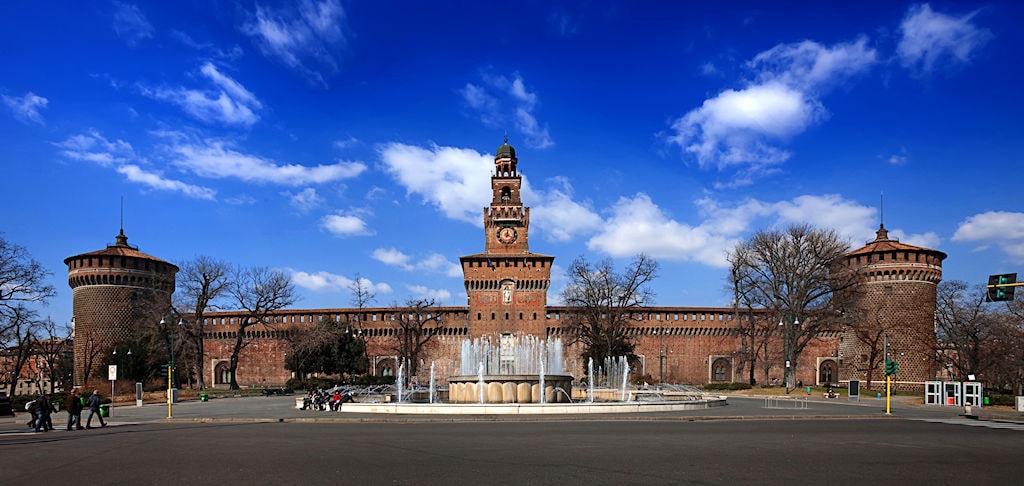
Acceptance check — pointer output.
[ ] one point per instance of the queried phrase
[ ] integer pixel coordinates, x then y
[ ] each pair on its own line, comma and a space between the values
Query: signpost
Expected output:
112, 376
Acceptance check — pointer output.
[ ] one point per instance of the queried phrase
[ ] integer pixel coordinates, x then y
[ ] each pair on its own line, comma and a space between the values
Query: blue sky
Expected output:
330, 138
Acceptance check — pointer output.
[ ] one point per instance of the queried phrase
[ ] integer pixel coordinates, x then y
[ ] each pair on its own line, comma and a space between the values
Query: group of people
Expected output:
42, 408
319, 399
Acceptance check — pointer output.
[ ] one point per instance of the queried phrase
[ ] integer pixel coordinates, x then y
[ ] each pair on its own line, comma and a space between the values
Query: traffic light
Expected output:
1000, 287
891, 367
163, 370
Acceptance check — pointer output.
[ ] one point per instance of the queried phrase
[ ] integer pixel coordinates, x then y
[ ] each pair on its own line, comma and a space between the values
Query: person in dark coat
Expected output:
94, 409
43, 411
73, 404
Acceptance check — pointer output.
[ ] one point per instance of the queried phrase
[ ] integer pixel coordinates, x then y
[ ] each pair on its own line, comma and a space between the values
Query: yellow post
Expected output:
888, 393
170, 403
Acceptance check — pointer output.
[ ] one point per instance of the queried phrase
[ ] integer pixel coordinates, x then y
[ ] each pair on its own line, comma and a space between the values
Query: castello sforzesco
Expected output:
507, 285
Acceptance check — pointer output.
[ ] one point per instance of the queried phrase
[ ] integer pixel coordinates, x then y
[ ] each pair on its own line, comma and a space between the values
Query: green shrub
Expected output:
727, 386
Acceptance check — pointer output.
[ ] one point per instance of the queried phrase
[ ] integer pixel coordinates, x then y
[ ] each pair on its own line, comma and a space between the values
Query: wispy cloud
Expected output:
206, 47
442, 296
26, 108
1004, 229
158, 182
225, 102
93, 147
742, 129
562, 23
218, 159
504, 100
131, 24
307, 38
120, 156
929, 38
305, 200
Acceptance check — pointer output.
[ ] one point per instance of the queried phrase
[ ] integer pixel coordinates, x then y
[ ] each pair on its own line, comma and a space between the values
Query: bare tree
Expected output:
363, 293
417, 323
604, 302
754, 330
965, 328
22, 328
257, 292
22, 281
328, 347
202, 284
53, 346
795, 273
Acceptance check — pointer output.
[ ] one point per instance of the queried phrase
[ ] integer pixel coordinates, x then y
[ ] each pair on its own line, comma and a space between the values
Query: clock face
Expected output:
507, 234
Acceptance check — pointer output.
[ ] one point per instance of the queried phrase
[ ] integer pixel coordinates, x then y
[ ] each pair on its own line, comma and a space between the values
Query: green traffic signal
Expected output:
891, 367
1000, 287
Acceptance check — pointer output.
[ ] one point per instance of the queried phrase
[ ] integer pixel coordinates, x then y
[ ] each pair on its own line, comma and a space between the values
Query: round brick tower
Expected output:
896, 298
115, 290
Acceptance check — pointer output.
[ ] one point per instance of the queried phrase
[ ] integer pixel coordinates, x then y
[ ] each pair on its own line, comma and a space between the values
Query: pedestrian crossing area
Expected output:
991, 424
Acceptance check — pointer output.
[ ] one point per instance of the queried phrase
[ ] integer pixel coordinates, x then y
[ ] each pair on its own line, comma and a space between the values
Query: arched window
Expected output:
827, 372
720, 370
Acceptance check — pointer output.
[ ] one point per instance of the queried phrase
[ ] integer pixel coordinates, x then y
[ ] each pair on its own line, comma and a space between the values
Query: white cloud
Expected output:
454, 180
131, 24
434, 262
734, 127
305, 199
93, 147
308, 38
557, 215
393, 257
741, 129
442, 296
26, 108
637, 225
503, 95
346, 143
345, 225
217, 159
328, 282
228, 103
156, 181
1003, 229
928, 239
929, 38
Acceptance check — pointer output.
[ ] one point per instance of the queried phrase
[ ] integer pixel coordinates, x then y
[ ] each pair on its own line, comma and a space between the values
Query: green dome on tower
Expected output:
506, 150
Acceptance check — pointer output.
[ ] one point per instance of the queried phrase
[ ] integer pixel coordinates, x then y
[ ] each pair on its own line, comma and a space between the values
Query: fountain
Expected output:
525, 375
516, 371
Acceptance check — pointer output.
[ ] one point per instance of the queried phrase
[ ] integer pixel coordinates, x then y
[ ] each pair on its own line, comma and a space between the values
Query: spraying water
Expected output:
590, 379
542, 393
480, 382
400, 382
431, 399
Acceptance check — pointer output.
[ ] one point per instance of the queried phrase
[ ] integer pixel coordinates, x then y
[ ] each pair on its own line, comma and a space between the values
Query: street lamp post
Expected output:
788, 374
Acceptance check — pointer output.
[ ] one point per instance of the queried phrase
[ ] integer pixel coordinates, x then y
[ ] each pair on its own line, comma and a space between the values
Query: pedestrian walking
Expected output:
43, 410
94, 409
73, 404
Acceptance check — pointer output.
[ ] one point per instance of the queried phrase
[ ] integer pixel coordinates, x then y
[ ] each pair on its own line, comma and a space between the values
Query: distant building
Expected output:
506, 287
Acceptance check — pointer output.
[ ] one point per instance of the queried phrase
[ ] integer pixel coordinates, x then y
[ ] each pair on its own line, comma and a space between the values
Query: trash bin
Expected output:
105, 410
986, 400
204, 397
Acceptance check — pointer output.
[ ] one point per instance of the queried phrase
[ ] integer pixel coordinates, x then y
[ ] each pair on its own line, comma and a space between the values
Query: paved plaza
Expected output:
266, 440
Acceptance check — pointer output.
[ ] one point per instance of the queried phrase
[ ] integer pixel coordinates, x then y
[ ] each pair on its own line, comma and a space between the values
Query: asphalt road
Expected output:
263, 441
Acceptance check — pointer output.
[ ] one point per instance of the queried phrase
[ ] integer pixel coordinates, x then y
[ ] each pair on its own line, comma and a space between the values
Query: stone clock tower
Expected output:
506, 284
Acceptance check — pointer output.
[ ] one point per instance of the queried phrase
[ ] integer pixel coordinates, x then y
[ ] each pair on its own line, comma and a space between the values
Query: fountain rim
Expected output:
526, 377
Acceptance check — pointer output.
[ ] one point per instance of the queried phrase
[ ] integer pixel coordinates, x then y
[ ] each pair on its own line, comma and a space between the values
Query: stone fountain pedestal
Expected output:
509, 389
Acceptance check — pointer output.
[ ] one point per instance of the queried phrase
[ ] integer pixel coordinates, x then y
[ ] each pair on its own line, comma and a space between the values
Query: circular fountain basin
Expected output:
509, 389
